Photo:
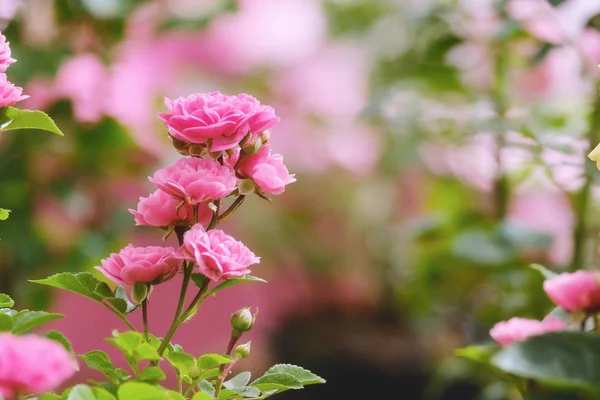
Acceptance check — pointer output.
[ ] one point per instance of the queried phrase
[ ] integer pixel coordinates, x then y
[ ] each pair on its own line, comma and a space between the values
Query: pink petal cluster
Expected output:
267, 171
5, 54
160, 210
577, 291
32, 364
216, 120
516, 329
9, 93
218, 255
152, 264
196, 180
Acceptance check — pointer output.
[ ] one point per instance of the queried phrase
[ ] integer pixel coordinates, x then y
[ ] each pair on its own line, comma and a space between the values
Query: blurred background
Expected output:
439, 147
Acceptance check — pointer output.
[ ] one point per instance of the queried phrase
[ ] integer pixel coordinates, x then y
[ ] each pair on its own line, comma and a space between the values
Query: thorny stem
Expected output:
581, 201
232, 341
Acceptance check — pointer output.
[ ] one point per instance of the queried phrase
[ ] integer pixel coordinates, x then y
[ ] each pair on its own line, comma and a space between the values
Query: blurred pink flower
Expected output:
589, 47
517, 329
267, 171
161, 210
152, 264
9, 93
196, 180
218, 255
83, 80
5, 55
32, 364
539, 18
577, 291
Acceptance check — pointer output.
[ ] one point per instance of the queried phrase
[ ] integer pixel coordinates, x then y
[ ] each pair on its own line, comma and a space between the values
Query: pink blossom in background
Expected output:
151, 264
161, 210
5, 54
539, 18
267, 171
83, 80
577, 291
213, 117
32, 364
589, 48
196, 180
8, 10
532, 208
9, 93
218, 255
517, 329
264, 33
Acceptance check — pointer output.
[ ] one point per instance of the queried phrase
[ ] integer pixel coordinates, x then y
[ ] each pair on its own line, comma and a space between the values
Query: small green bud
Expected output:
246, 187
242, 320
140, 292
242, 351
252, 148
181, 147
197, 150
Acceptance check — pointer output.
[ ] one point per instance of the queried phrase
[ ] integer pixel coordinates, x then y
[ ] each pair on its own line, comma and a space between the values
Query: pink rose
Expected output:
214, 118
9, 93
577, 291
5, 55
152, 264
267, 171
160, 210
196, 180
32, 364
516, 329
218, 255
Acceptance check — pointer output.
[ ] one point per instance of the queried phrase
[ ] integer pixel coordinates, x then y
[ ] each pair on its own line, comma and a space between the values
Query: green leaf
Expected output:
213, 360
565, 359
236, 281
6, 322
27, 320
60, 338
49, 396
210, 373
482, 354
280, 381
561, 313
206, 388
6, 301
246, 392
239, 380
182, 361
482, 247
100, 361
4, 214
199, 280
13, 118
126, 341
103, 394
303, 375
546, 273
140, 391
172, 395
83, 283
202, 396
121, 294
146, 352
81, 392
153, 373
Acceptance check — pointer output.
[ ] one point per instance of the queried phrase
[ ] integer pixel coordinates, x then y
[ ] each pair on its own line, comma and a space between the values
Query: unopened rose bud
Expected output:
140, 292
242, 320
246, 187
242, 351
265, 136
595, 155
252, 148
180, 146
194, 371
197, 150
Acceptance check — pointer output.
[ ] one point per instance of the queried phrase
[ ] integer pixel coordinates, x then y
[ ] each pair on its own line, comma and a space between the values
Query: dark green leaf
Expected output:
83, 283
60, 338
14, 118
100, 361
560, 359
6, 301
199, 280
236, 281
27, 320
279, 379
121, 294
303, 375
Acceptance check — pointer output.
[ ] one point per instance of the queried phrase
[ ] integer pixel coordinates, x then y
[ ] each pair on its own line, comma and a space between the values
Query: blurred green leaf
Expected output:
26, 320
100, 361
482, 354
235, 281
4, 214
545, 272
6, 301
6, 322
13, 118
140, 391
60, 338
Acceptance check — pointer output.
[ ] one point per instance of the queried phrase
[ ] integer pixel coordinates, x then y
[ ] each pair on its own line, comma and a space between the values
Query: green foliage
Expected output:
12, 118
233, 282
27, 320
4, 214
6, 301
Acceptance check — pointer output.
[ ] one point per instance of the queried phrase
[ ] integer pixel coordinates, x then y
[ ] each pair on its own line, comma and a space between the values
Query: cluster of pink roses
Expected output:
226, 139
9, 93
577, 292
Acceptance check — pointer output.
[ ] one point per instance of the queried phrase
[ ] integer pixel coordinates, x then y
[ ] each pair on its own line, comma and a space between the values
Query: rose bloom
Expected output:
218, 255
577, 291
5, 54
32, 364
516, 329
223, 121
9, 93
152, 264
160, 210
196, 180
267, 171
